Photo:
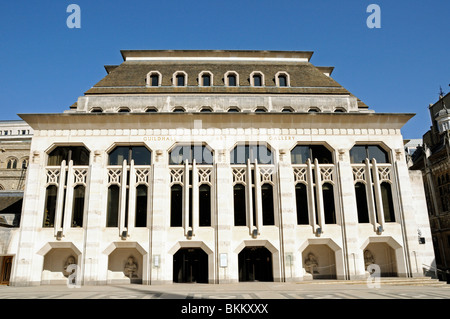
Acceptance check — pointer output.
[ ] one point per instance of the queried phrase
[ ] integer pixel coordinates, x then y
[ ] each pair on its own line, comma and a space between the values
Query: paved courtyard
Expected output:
257, 290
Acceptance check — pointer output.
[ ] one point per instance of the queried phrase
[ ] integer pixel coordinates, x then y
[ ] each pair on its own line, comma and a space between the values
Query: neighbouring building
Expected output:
15, 141
219, 167
433, 159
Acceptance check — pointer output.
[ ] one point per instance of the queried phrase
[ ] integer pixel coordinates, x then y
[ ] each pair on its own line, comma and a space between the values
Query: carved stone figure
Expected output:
311, 264
368, 258
130, 269
69, 261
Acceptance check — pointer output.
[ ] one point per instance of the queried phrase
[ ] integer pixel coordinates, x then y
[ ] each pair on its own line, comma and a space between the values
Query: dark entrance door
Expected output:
255, 264
5, 270
190, 265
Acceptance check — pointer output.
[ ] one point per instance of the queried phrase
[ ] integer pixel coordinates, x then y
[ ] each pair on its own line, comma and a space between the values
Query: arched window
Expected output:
176, 206
359, 153
282, 79
24, 163
233, 110
241, 153
206, 109
267, 204
204, 193
361, 203
257, 79
313, 110
180, 78
287, 110
201, 153
112, 214
12, 163
260, 109
154, 78
140, 154
50, 206
301, 153
328, 203
301, 198
151, 110
388, 204
78, 205
78, 154
124, 109
240, 211
178, 109
96, 110
231, 78
141, 205
206, 78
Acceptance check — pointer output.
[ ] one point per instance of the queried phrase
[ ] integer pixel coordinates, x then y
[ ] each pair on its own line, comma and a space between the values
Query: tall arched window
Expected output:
240, 212
257, 79
176, 206
204, 193
267, 204
78, 154
361, 203
241, 153
301, 199
231, 78
12, 163
388, 204
112, 213
141, 205
328, 203
78, 205
301, 153
50, 206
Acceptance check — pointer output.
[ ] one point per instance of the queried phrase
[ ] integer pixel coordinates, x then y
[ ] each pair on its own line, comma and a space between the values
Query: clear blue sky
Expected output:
45, 66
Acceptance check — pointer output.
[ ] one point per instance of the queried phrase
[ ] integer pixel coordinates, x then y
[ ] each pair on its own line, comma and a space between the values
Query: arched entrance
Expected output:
255, 264
190, 265
382, 255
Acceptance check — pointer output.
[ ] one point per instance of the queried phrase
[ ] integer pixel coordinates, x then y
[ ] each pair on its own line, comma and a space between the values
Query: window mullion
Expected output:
378, 199
186, 198
60, 197
69, 197
310, 193
195, 194
319, 194
370, 195
122, 199
132, 198
248, 197
258, 199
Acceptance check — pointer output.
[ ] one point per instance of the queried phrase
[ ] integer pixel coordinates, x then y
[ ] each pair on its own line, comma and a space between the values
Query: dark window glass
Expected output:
180, 80
78, 206
253, 204
206, 80
151, 110
112, 215
204, 205
233, 110
328, 203
201, 153
267, 204
176, 206
24, 164
141, 206
359, 153
260, 110
286, 110
313, 111
302, 204
78, 154
388, 205
301, 153
206, 110
240, 218
154, 80
124, 110
282, 80
140, 154
361, 203
178, 110
241, 153
232, 80
50, 206
257, 80
96, 110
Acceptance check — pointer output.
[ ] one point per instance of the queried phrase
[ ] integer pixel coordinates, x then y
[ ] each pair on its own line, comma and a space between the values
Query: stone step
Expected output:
416, 281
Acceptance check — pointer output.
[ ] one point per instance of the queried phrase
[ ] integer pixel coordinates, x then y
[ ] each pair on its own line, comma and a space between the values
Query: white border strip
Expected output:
241, 59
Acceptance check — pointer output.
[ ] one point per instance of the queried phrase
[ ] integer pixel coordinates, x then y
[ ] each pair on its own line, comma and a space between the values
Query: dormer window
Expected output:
180, 78
154, 78
231, 78
124, 110
206, 78
178, 109
257, 79
282, 79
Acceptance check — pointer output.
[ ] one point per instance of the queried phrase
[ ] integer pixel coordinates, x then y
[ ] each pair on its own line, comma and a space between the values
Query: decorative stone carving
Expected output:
368, 258
311, 264
130, 269
69, 261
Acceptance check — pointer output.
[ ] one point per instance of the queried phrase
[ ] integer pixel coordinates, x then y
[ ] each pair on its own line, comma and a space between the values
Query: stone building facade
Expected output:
433, 159
219, 167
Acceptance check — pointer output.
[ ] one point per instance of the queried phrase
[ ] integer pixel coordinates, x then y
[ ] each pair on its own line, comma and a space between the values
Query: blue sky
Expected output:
45, 66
